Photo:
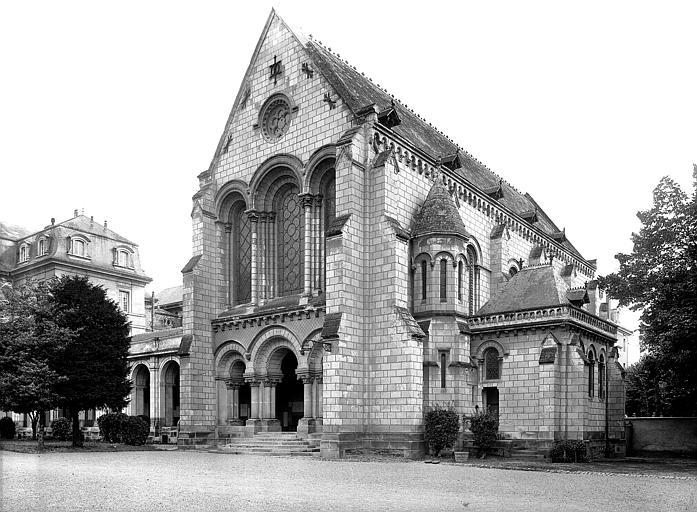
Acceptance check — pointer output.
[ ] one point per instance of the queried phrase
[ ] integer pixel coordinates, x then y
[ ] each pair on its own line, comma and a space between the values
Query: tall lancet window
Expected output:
240, 255
289, 236
473, 279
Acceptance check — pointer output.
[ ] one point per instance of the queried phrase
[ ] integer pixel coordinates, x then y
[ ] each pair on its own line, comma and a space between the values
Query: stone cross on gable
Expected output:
275, 70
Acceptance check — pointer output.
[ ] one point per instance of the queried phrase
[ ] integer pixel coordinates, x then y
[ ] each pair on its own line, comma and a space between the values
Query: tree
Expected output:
29, 339
660, 278
93, 364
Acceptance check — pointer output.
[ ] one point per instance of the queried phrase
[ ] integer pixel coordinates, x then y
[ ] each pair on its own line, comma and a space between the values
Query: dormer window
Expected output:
42, 247
23, 253
123, 257
79, 247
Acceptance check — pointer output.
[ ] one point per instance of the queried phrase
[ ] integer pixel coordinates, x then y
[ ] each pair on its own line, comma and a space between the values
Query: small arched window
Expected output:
124, 258
601, 377
491, 364
443, 280
591, 372
41, 247
512, 271
423, 280
78, 247
459, 281
473, 278
23, 253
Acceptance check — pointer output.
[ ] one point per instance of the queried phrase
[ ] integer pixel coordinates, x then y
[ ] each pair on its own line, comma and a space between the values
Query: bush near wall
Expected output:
485, 428
7, 428
111, 426
135, 431
569, 451
441, 428
61, 429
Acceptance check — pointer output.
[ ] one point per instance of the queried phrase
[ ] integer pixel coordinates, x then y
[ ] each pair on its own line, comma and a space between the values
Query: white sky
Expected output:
116, 107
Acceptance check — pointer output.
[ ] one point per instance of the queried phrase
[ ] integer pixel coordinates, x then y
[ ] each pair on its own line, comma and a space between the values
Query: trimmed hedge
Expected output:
569, 451
62, 429
135, 431
485, 428
111, 426
7, 428
441, 427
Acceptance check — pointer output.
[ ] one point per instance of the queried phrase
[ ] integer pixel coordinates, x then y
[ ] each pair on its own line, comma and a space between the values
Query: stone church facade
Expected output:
353, 267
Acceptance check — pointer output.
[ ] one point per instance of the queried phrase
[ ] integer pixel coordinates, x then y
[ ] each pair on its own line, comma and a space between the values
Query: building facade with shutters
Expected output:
352, 267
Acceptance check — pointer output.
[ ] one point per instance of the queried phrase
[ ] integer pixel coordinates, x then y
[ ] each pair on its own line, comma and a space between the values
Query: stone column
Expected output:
271, 272
307, 201
318, 401
316, 254
320, 245
263, 257
254, 221
252, 426
233, 416
270, 423
222, 402
306, 423
230, 297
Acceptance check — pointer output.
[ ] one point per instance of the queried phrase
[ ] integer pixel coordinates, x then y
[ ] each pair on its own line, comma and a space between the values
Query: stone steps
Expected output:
273, 443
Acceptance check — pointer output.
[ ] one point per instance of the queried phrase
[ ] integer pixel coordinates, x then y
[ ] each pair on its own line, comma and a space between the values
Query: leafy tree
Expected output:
659, 277
29, 339
93, 363
484, 427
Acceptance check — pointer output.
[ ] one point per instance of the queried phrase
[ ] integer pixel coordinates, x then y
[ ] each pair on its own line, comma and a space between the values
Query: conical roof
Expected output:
438, 215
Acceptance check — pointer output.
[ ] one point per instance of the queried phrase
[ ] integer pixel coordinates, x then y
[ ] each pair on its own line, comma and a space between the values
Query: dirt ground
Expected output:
207, 481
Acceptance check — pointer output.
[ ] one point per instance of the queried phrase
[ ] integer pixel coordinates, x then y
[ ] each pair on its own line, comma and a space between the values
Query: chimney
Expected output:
53, 221
104, 224
75, 212
91, 219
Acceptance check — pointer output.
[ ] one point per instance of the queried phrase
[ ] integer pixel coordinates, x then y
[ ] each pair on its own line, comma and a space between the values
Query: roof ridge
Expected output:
404, 105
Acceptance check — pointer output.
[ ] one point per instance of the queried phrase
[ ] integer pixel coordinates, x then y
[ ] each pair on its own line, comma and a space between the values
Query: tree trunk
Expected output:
40, 434
77, 435
34, 416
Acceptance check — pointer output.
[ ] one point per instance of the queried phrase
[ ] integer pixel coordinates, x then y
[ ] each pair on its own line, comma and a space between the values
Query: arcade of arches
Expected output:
155, 392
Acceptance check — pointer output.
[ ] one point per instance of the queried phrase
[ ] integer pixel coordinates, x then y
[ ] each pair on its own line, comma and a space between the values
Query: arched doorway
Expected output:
170, 395
490, 396
141, 391
289, 392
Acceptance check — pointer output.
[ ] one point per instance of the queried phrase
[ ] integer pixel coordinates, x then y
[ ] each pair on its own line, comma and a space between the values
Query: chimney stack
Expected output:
75, 212
53, 221
104, 224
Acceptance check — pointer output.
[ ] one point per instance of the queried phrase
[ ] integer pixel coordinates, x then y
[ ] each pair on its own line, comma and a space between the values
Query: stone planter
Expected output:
462, 456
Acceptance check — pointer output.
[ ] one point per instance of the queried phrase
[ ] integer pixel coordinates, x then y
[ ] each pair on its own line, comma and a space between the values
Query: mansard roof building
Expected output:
352, 266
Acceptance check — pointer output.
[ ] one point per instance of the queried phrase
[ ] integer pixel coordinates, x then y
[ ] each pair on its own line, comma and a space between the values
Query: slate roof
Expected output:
438, 214
358, 91
170, 295
531, 287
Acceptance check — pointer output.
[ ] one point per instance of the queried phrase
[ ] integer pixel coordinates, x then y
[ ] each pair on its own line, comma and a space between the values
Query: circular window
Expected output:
275, 118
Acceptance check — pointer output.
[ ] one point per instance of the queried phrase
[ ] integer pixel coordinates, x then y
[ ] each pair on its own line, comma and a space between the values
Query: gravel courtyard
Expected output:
199, 481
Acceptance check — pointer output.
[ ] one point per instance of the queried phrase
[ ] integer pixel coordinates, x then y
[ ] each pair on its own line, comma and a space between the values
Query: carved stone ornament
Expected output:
275, 118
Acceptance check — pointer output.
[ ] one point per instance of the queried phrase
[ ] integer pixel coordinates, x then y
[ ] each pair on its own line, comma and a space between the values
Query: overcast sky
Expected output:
115, 107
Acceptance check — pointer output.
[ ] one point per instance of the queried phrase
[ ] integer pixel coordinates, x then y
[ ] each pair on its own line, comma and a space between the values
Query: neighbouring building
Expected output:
352, 266
77, 246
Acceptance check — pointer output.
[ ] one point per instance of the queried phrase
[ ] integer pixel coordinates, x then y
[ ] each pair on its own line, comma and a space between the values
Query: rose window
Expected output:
276, 118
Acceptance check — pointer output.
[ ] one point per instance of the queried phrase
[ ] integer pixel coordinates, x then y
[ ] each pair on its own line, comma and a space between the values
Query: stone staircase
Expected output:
274, 443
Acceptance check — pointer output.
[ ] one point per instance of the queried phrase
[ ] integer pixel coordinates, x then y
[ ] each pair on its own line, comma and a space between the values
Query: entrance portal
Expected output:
289, 395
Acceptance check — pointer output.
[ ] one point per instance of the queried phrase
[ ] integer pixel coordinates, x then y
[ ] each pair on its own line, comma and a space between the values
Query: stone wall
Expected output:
662, 436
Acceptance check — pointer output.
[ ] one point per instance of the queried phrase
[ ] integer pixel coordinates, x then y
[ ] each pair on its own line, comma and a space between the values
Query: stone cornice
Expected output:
425, 164
264, 318
543, 316
109, 272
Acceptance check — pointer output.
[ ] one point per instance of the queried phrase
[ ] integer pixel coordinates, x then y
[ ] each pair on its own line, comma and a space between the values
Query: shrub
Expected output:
111, 426
569, 451
441, 428
62, 429
135, 430
7, 428
484, 427
145, 418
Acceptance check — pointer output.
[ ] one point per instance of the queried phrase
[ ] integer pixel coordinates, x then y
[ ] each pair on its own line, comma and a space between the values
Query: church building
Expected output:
352, 266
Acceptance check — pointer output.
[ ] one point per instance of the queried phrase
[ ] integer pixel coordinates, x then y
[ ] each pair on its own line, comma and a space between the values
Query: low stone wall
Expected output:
665, 436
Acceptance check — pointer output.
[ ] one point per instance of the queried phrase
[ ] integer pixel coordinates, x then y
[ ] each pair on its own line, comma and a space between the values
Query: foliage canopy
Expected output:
659, 277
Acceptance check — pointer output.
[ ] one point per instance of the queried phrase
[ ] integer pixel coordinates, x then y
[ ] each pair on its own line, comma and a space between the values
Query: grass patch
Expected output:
31, 446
